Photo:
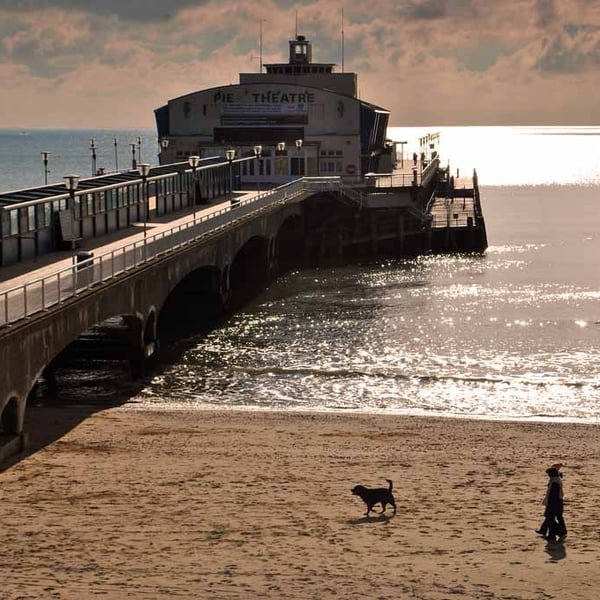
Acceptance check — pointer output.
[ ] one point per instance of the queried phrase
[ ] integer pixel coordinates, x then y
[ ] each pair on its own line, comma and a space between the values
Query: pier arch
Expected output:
249, 270
191, 306
288, 244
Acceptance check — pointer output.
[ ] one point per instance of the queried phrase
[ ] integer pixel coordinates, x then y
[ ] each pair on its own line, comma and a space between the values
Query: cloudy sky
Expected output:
110, 63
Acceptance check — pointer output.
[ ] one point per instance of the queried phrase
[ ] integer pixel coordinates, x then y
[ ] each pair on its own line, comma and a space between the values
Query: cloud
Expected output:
425, 9
483, 55
436, 9
426, 60
574, 50
134, 10
545, 12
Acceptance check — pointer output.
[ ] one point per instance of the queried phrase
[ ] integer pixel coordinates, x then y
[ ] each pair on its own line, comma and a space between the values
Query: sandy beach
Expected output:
131, 503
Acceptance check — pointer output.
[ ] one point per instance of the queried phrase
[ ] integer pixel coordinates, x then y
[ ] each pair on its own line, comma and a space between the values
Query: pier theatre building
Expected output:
297, 118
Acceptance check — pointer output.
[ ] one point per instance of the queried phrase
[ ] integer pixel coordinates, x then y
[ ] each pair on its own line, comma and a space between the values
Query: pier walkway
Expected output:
35, 285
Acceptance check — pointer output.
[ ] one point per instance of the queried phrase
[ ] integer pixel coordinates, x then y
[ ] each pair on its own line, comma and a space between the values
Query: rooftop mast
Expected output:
342, 39
260, 48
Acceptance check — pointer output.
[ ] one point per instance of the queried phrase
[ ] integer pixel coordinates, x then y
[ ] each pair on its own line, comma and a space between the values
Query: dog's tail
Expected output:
391, 484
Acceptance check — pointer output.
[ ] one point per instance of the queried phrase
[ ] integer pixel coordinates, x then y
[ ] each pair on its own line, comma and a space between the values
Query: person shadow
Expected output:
556, 551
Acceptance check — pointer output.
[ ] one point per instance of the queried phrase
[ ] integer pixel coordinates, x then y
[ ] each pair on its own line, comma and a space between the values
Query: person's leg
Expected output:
561, 526
543, 530
552, 529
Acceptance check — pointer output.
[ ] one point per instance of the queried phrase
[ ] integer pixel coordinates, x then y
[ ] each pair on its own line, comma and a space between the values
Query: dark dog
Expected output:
373, 496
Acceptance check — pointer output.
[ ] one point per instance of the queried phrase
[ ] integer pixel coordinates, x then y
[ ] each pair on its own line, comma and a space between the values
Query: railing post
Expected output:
25, 301
43, 294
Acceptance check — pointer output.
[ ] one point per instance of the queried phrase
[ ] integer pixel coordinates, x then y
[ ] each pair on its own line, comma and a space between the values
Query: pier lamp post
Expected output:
230, 154
298, 146
194, 161
133, 161
139, 144
115, 144
280, 151
257, 155
45, 154
164, 144
93, 151
71, 183
144, 169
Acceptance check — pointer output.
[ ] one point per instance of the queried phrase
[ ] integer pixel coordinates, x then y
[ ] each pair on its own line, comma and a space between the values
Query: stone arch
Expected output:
288, 245
192, 306
249, 270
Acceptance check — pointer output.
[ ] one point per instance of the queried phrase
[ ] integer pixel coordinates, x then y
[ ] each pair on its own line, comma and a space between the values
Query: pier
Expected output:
191, 263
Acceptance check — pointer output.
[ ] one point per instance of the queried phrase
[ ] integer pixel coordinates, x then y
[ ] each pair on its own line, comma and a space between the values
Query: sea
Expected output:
512, 334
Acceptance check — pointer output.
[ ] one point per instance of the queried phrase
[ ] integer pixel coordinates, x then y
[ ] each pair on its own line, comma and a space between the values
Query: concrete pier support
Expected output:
12, 416
12, 437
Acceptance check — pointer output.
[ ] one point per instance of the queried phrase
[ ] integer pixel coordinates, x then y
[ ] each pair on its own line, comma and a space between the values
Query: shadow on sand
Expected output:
556, 551
48, 420
380, 518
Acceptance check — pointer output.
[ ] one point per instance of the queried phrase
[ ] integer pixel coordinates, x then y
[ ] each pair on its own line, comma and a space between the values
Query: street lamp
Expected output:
257, 155
298, 146
144, 169
230, 154
115, 144
164, 144
139, 143
93, 150
194, 161
278, 163
45, 154
133, 161
71, 183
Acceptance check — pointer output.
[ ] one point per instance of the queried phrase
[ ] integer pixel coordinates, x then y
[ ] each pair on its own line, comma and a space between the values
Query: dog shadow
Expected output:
556, 551
379, 518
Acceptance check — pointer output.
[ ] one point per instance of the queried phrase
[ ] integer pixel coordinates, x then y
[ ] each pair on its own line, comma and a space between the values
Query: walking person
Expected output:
554, 524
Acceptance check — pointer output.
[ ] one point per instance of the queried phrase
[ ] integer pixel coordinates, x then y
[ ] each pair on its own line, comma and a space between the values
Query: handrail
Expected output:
38, 295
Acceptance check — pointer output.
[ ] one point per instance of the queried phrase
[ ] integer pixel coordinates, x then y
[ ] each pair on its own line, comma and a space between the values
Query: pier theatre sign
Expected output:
266, 102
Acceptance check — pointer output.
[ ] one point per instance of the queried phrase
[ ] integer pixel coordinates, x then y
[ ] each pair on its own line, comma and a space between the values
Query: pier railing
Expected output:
40, 294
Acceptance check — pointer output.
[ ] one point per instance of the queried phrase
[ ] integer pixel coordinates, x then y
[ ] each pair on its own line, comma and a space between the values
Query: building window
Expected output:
281, 166
30, 218
297, 166
14, 222
330, 166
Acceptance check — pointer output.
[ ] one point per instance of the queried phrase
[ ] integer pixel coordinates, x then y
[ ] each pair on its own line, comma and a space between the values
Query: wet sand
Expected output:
131, 503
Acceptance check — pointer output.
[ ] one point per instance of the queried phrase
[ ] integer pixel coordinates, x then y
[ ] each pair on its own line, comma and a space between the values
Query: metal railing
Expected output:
41, 294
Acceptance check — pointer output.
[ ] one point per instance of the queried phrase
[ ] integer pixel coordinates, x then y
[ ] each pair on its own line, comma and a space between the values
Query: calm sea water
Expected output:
21, 164
511, 334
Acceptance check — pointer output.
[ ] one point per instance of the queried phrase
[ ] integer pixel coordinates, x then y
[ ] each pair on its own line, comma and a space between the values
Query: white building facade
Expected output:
305, 117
